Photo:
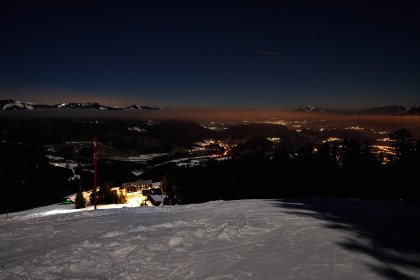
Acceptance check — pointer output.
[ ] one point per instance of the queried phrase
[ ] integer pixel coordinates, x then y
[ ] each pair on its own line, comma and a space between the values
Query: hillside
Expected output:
244, 239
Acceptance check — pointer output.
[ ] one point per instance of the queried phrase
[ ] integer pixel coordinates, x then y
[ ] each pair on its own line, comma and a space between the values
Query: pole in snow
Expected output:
94, 161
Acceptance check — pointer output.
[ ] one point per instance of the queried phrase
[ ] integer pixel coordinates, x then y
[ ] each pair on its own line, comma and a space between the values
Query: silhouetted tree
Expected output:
305, 154
105, 195
368, 157
282, 154
418, 153
335, 153
170, 187
403, 144
350, 153
80, 200
108, 197
323, 154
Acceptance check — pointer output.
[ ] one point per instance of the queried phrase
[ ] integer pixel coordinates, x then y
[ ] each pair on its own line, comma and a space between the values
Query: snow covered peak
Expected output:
12, 105
314, 109
134, 107
141, 107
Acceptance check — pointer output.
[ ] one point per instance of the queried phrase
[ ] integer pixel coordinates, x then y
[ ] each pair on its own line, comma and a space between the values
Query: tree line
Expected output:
346, 168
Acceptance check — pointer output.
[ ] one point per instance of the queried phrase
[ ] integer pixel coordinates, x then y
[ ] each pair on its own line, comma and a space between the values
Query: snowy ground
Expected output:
248, 239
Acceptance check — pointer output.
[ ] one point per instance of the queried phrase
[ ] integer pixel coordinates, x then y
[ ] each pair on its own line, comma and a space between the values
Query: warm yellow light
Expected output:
332, 139
354, 128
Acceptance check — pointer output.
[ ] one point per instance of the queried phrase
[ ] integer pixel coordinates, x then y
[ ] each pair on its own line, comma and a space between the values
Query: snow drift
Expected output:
245, 239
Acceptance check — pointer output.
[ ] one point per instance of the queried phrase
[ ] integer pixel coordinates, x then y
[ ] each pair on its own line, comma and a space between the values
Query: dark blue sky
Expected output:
278, 54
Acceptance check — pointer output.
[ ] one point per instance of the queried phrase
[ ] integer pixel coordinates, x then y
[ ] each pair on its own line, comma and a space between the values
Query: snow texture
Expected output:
244, 239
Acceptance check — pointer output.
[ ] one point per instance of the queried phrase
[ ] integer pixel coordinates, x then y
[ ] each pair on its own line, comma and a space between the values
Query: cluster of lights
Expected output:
215, 128
200, 146
274, 139
354, 128
386, 139
383, 149
380, 132
278, 122
333, 139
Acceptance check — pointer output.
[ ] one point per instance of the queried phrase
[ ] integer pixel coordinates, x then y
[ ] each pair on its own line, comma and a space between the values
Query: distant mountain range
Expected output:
314, 109
15, 105
394, 110
391, 110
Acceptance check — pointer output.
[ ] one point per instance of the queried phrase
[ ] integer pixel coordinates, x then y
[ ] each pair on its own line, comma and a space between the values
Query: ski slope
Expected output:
244, 239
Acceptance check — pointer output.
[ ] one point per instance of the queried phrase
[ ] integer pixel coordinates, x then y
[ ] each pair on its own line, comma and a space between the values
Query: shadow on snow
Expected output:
389, 232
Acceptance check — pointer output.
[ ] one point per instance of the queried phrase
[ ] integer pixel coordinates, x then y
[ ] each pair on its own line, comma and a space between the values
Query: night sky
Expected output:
279, 54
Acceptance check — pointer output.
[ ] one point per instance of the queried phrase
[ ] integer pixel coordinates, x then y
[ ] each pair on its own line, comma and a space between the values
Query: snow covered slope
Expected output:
245, 239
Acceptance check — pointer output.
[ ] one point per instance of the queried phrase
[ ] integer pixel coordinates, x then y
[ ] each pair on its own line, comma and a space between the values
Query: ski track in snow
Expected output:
248, 239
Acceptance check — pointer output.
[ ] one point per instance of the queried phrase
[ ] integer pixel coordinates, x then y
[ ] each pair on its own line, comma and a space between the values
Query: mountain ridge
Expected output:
314, 109
16, 105
389, 110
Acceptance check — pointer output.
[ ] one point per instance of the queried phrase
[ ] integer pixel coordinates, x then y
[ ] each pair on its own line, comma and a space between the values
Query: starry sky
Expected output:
239, 54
